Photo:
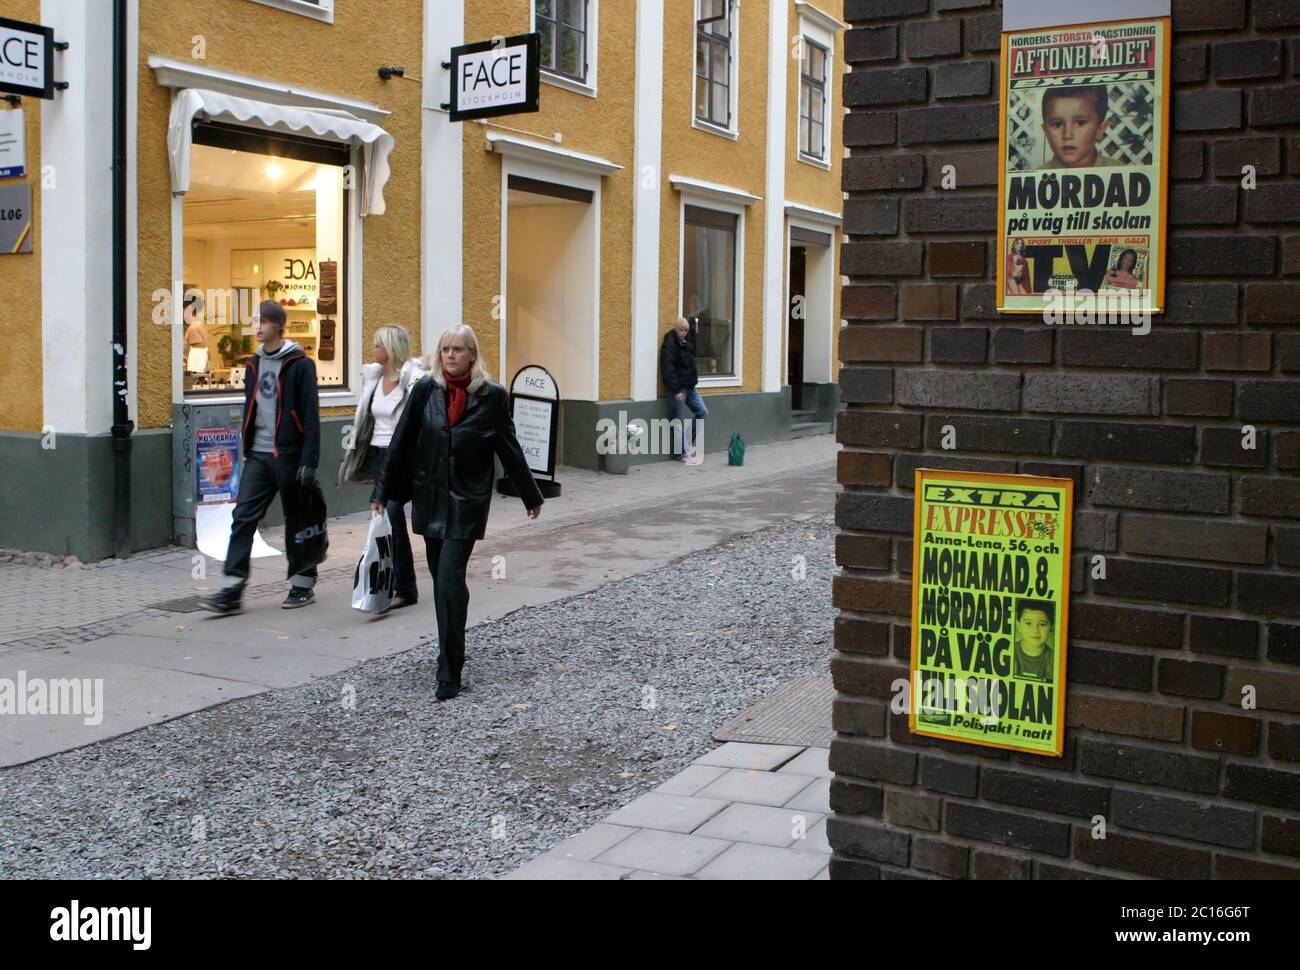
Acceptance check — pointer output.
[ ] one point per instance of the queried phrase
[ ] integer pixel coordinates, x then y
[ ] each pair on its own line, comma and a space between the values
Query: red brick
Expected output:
1273, 302
881, 344
864, 44
993, 865
854, 715
879, 429
877, 302
1284, 741
869, 637
1122, 624
1233, 154
863, 595
866, 129
1235, 867
1134, 719
913, 811
1223, 636
881, 259
863, 173
872, 761
957, 258
929, 302
1190, 678
933, 38
1238, 351
866, 678
1225, 733
970, 168
1281, 835
941, 858
862, 552
1190, 15
864, 468
1157, 859
1274, 690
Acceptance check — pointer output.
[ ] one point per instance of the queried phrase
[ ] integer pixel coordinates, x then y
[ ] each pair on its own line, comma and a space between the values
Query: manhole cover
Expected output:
186, 604
799, 713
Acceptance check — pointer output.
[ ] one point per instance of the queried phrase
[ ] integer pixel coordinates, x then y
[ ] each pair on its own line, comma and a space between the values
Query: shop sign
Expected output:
496, 77
535, 408
15, 219
13, 144
26, 58
1084, 152
990, 603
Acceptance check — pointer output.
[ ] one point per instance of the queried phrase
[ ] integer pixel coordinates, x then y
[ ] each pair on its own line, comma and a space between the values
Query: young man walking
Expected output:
677, 367
281, 446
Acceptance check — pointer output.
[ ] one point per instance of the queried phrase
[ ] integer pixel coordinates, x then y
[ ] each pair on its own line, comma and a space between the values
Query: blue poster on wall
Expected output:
217, 461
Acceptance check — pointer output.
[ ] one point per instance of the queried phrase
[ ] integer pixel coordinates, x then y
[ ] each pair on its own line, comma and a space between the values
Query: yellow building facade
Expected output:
684, 161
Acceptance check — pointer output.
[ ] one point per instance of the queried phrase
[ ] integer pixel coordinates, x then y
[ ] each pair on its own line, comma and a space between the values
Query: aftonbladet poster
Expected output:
990, 604
1084, 153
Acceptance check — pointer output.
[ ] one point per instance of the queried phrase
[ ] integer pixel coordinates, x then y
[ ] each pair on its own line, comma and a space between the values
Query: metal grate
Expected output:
799, 714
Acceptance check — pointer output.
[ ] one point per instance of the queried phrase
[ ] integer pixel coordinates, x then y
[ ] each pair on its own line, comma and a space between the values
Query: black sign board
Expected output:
496, 77
26, 59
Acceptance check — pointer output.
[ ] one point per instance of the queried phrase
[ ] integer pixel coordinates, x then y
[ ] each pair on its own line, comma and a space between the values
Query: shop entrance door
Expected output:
552, 283
798, 311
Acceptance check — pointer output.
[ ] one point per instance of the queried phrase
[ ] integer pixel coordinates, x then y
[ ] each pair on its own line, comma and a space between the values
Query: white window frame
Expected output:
322, 11
593, 48
733, 78
819, 28
738, 209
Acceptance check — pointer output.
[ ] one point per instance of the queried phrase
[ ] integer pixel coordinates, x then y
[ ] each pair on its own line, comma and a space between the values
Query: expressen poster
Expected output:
1084, 154
990, 604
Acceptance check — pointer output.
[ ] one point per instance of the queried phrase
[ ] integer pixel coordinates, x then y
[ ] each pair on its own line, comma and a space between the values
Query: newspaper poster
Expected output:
1084, 152
990, 605
217, 460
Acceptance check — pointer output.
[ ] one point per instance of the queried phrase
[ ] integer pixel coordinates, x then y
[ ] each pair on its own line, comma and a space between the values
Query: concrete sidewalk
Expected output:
742, 811
104, 621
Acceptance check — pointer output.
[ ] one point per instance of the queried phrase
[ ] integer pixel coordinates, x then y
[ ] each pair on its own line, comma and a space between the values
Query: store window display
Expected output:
264, 220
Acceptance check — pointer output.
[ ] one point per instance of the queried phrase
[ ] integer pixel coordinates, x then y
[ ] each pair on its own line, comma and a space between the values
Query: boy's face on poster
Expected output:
1072, 127
1035, 629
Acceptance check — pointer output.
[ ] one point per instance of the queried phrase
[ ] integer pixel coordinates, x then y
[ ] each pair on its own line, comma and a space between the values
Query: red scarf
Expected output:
458, 398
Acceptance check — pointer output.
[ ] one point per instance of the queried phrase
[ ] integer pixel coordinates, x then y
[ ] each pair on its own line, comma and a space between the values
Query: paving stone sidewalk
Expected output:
742, 811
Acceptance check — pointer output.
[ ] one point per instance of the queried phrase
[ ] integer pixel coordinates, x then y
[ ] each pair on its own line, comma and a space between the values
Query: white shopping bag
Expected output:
375, 578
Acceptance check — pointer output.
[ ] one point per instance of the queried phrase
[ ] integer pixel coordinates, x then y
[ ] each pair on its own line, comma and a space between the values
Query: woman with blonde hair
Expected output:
385, 390
441, 459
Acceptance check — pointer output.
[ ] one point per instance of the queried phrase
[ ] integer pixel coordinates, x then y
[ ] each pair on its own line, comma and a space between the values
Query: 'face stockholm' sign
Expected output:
26, 59
496, 77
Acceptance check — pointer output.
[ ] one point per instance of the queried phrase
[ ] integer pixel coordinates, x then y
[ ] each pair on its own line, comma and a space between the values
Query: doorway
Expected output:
552, 283
798, 311
810, 328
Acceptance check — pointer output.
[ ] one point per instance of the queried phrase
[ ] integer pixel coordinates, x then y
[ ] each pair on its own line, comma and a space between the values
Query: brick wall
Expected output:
1201, 538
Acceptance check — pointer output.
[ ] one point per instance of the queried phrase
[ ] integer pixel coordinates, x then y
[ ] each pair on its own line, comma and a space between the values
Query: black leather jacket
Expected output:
448, 473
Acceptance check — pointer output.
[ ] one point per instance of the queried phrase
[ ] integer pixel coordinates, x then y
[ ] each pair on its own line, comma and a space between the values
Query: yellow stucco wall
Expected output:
710, 157
21, 405
602, 126
339, 58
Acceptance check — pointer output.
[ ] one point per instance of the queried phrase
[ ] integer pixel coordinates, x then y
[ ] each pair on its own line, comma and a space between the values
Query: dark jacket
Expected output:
677, 363
447, 473
297, 408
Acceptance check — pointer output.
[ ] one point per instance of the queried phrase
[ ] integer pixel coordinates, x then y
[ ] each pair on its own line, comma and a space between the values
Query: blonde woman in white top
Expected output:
385, 388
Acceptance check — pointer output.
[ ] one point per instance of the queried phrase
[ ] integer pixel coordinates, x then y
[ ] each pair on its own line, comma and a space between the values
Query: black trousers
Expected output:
448, 559
264, 475
403, 559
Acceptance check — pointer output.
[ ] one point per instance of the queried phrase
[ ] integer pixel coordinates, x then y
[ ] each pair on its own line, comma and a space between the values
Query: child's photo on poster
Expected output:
1080, 126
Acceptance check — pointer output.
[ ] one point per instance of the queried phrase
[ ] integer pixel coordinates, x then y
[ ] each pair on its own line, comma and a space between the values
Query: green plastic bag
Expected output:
736, 450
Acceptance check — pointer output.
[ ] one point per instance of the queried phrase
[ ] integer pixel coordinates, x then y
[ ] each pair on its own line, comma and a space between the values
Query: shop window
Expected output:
709, 288
713, 62
265, 219
565, 29
812, 101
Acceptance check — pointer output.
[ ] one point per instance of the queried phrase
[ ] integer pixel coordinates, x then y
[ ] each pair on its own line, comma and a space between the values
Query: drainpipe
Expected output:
122, 426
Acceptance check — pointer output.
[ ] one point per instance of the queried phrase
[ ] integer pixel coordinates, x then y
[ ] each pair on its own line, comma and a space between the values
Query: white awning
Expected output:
376, 143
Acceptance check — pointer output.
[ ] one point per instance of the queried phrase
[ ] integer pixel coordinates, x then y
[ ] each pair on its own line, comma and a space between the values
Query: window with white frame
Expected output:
566, 27
812, 99
714, 60
709, 249
316, 9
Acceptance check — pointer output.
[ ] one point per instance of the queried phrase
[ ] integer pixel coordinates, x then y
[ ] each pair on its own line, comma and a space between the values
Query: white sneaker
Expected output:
694, 460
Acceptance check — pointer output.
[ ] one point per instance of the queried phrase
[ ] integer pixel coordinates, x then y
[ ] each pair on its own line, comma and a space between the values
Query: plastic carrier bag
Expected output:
375, 577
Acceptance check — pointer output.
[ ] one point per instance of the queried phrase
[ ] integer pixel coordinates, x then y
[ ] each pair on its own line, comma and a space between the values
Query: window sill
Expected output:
733, 381
814, 162
328, 399
568, 84
715, 129
313, 11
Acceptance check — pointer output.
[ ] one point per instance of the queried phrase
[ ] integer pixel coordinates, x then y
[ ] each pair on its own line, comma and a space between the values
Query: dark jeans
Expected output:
403, 558
264, 475
448, 559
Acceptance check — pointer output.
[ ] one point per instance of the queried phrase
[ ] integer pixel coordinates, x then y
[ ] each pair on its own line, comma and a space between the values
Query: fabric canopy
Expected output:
375, 142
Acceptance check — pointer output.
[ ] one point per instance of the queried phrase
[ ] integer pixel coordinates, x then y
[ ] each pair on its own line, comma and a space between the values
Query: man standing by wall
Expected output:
281, 443
677, 366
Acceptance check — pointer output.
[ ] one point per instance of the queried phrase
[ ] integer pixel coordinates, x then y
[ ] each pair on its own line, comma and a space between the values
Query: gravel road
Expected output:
576, 708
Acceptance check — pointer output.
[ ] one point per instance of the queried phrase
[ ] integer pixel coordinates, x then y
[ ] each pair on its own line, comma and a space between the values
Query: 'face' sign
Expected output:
493, 78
